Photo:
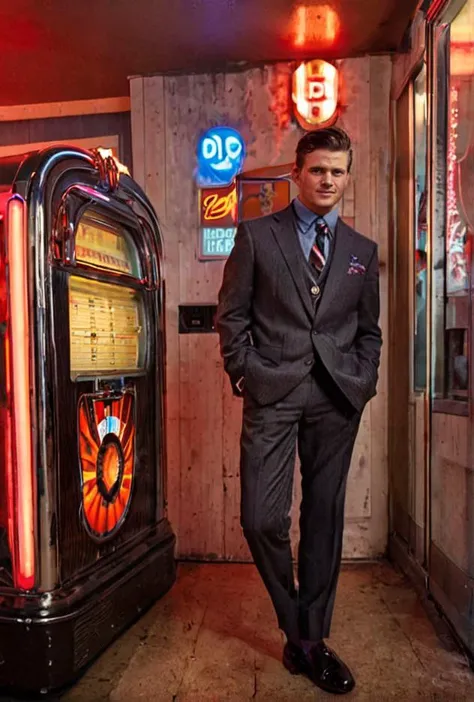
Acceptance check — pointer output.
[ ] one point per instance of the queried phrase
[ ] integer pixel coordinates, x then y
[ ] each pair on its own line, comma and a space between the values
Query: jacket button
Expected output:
308, 363
315, 290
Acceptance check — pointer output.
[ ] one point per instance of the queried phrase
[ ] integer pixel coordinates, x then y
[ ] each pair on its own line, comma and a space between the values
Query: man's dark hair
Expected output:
331, 138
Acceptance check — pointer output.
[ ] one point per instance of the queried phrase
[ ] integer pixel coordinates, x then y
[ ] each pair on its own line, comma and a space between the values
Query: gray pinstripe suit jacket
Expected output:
272, 332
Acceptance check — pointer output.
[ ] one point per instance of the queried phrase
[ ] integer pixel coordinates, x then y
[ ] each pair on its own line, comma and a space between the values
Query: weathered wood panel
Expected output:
420, 449
380, 77
203, 419
65, 129
72, 108
405, 64
138, 130
400, 333
451, 494
106, 142
356, 83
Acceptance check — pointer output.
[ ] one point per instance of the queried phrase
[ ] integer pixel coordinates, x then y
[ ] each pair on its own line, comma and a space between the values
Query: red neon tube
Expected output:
21, 498
435, 9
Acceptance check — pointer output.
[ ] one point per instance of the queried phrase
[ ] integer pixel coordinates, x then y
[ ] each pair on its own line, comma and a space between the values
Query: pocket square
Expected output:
355, 267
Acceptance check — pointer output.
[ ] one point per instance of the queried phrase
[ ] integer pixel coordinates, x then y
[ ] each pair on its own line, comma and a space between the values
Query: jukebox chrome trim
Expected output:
67, 220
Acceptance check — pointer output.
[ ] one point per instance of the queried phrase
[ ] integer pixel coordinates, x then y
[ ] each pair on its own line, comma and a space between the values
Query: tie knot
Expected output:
322, 227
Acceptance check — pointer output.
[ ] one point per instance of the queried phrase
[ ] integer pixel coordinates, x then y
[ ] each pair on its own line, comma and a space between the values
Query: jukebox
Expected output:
85, 545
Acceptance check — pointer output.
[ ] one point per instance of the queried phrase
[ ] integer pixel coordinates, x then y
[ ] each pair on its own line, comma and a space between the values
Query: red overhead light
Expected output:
314, 25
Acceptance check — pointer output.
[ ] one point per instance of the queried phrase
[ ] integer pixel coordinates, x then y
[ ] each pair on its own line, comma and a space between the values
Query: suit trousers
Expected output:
309, 419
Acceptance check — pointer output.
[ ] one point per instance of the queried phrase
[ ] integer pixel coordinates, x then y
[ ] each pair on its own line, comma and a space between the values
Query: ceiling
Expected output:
55, 50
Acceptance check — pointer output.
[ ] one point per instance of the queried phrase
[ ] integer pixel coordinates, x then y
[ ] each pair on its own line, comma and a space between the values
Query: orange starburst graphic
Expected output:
107, 457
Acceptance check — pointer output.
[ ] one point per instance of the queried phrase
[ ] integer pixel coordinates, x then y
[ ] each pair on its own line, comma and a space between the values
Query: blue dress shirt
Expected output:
306, 226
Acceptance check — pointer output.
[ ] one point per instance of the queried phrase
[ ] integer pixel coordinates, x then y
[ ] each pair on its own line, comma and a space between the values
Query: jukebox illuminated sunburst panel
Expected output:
85, 544
107, 458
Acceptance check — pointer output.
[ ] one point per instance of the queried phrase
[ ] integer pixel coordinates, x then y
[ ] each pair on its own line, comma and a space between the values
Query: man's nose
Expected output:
327, 178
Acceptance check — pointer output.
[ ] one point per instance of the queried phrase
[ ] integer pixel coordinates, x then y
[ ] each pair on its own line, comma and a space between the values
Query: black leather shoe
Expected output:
321, 665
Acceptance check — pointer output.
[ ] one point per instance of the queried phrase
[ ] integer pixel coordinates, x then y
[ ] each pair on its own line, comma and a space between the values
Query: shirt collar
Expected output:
307, 216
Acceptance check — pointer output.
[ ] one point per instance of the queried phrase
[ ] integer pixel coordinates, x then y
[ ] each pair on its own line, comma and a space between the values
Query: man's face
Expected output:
322, 179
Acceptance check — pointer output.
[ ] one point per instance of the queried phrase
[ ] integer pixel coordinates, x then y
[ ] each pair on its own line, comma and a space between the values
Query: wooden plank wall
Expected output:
451, 497
65, 129
203, 419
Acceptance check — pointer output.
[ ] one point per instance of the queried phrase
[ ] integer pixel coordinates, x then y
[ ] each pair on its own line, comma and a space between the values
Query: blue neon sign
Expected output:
221, 154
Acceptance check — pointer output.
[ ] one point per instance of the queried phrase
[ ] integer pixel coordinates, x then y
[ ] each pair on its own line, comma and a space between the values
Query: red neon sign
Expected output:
218, 220
216, 206
219, 206
315, 94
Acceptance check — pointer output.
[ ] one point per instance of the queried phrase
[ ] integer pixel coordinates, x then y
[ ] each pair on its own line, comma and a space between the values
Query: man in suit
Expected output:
298, 324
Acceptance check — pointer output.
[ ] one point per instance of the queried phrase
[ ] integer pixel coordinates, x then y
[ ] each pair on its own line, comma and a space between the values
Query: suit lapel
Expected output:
343, 248
284, 231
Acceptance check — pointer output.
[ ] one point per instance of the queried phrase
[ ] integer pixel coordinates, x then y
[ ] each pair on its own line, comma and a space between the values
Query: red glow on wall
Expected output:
461, 58
20, 33
314, 25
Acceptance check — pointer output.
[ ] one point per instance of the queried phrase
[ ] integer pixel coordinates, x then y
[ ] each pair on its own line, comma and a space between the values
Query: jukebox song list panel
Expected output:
105, 328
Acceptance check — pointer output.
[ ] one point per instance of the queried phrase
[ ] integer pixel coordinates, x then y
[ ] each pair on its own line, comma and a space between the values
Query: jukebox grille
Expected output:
105, 328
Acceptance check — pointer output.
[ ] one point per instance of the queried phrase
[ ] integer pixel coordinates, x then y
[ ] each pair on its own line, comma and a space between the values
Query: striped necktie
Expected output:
316, 255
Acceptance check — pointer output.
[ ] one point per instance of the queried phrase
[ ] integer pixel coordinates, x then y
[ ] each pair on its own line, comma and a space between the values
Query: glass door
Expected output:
451, 559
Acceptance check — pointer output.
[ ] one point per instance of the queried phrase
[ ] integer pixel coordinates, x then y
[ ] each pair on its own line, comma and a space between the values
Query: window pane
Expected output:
438, 232
459, 198
457, 369
454, 205
420, 231
457, 248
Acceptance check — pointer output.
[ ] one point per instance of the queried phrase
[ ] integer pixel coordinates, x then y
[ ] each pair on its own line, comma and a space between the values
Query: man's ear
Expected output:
295, 173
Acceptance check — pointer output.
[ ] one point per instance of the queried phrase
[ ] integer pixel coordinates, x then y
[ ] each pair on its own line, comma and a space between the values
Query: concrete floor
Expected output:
213, 638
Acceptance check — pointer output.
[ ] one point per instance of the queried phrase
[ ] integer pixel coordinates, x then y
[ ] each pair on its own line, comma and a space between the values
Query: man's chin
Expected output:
325, 203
